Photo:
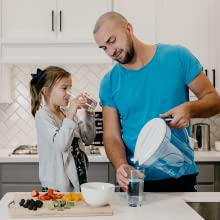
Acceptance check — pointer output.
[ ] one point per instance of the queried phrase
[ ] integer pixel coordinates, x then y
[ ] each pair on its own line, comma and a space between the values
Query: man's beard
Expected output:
128, 56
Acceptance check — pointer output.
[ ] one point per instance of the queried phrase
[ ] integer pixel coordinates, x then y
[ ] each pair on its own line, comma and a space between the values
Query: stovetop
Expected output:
92, 150
25, 149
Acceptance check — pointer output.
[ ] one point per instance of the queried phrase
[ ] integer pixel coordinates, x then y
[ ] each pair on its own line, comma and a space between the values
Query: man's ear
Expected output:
129, 27
45, 91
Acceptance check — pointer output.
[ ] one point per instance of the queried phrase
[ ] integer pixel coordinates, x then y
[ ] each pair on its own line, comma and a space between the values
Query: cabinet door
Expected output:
28, 19
19, 173
76, 19
205, 188
187, 23
142, 15
23, 187
98, 172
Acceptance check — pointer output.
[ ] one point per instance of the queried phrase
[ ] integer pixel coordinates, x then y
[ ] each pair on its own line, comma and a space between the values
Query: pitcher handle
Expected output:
190, 139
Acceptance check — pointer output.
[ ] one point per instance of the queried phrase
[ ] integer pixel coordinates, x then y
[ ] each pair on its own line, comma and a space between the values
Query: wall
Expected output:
16, 122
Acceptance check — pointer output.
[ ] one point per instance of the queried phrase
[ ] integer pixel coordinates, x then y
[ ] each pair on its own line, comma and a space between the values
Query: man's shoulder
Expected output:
171, 48
163, 46
112, 72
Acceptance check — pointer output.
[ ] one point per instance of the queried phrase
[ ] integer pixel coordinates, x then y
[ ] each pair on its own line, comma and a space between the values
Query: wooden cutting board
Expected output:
80, 209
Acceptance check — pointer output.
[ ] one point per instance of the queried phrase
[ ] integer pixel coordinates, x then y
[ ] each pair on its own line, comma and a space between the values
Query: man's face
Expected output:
116, 41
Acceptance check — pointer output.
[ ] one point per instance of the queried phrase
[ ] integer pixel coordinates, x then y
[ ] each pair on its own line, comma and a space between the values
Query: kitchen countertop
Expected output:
6, 157
200, 156
156, 206
207, 156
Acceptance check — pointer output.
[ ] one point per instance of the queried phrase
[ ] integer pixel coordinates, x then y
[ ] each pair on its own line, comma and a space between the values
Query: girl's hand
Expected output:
76, 103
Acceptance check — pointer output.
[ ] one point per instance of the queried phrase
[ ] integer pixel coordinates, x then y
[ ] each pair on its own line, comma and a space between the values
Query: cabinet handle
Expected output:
53, 20
213, 71
206, 72
60, 20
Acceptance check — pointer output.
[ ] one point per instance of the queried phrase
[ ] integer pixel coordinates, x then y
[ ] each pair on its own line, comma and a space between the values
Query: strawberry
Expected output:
34, 193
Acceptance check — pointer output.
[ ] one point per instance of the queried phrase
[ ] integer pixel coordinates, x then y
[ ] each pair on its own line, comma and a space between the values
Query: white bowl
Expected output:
97, 194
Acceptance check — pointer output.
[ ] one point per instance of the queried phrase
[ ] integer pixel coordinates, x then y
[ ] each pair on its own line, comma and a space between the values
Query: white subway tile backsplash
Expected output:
11, 110
25, 103
17, 125
23, 91
3, 115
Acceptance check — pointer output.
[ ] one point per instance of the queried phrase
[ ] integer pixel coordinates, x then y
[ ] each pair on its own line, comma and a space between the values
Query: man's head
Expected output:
113, 34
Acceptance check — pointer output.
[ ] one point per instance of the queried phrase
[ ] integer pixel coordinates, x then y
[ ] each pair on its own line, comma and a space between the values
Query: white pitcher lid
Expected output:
149, 140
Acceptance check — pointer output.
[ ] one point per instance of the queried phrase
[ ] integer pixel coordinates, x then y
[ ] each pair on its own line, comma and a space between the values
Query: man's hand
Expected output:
122, 176
180, 116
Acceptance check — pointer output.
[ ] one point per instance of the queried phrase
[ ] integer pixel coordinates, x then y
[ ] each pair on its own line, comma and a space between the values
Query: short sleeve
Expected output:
105, 94
190, 64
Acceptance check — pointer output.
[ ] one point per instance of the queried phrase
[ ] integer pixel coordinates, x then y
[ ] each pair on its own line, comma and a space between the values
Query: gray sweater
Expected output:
57, 168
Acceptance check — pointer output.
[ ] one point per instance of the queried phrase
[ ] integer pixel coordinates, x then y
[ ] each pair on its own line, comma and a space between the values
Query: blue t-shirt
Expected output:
141, 95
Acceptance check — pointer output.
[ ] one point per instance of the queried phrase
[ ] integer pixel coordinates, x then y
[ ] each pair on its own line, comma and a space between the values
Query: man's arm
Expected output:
114, 145
207, 105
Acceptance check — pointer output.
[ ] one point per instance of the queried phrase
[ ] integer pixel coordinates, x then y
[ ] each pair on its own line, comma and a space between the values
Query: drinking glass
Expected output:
91, 102
135, 186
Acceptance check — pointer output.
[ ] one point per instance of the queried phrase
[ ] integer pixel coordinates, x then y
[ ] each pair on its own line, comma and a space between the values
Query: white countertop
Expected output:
200, 156
6, 157
156, 206
207, 156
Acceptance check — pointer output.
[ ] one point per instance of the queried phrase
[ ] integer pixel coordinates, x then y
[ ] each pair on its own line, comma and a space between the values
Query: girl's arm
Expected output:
48, 131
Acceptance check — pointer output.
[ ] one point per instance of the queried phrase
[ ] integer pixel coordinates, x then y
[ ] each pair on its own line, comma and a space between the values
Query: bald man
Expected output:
149, 81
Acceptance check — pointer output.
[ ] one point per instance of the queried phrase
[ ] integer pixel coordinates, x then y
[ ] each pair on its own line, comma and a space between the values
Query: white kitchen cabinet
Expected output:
77, 18
142, 14
51, 31
41, 20
173, 21
27, 19
184, 23
48, 31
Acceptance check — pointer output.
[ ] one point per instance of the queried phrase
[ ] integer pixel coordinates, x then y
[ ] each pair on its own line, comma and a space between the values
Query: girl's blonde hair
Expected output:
47, 77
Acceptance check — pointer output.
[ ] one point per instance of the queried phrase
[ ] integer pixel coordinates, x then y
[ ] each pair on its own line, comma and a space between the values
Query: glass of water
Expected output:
91, 103
135, 186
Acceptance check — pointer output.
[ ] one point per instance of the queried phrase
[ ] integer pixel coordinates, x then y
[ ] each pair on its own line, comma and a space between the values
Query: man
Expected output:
149, 81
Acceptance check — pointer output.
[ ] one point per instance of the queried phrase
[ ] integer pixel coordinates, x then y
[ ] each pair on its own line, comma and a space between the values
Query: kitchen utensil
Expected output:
159, 146
79, 209
201, 132
97, 194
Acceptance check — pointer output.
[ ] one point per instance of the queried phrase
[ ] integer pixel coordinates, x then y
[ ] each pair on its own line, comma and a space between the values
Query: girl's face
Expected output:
58, 95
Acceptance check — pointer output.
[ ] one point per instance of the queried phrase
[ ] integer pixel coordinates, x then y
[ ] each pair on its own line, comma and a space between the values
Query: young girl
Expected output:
59, 133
